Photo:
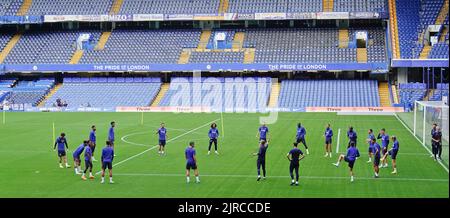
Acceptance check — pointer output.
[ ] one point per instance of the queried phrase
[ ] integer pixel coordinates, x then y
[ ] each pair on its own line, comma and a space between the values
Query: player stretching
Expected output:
328, 140
93, 140
350, 158
370, 136
384, 145
376, 157
263, 132
107, 159
191, 162
301, 132
294, 156
437, 143
261, 161
162, 132
111, 134
393, 153
88, 163
76, 156
61, 142
352, 137
213, 134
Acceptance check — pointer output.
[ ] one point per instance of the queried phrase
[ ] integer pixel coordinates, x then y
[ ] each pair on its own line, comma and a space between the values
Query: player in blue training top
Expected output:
294, 156
191, 162
352, 136
370, 137
213, 134
350, 158
261, 161
162, 136
88, 163
376, 157
393, 153
300, 136
93, 140
76, 156
107, 159
328, 140
384, 145
61, 142
111, 135
263, 133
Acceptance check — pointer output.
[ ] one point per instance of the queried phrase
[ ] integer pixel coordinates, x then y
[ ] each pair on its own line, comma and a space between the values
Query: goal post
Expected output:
427, 113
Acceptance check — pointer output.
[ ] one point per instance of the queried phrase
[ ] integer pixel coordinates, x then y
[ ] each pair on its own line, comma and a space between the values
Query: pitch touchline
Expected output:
440, 162
155, 146
280, 177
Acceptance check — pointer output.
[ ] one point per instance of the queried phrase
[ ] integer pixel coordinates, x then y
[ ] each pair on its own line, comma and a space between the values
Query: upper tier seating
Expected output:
69, 7
170, 7
143, 46
106, 92
230, 94
56, 47
9, 7
295, 94
360, 5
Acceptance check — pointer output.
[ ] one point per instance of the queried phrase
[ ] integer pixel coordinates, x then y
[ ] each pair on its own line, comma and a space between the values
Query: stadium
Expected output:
144, 81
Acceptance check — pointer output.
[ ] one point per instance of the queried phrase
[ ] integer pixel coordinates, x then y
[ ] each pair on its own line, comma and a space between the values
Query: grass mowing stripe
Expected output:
338, 141
279, 177
155, 146
412, 133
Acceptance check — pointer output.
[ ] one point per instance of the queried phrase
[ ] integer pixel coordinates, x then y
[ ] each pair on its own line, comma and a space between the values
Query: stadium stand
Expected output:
328, 93
28, 92
439, 51
441, 90
410, 92
216, 57
414, 17
143, 46
170, 6
231, 91
56, 47
309, 45
69, 7
360, 5
106, 92
9, 7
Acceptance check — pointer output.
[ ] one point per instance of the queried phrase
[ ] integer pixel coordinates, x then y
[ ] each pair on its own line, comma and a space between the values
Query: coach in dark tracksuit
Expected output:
436, 144
261, 162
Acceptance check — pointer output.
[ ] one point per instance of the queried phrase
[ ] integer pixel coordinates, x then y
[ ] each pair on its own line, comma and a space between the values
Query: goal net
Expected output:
427, 113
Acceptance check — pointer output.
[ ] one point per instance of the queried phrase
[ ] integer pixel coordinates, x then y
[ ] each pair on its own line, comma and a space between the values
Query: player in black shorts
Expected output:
294, 156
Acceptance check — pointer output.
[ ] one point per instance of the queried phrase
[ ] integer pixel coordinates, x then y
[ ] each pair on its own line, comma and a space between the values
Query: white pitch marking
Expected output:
440, 162
338, 141
155, 146
280, 177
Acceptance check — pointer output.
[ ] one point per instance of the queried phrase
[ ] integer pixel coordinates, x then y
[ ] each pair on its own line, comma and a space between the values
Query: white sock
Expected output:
188, 179
90, 174
376, 174
110, 179
293, 181
351, 178
76, 170
197, 179
337, 163
103, 179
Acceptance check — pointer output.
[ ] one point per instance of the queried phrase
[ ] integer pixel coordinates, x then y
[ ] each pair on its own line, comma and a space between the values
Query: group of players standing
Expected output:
88, 147
377, 154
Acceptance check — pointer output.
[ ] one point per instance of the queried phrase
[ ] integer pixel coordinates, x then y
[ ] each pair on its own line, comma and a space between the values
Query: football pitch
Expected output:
29, 166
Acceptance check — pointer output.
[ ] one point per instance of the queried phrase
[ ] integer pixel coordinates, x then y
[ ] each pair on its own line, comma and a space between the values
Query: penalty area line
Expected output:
155, 146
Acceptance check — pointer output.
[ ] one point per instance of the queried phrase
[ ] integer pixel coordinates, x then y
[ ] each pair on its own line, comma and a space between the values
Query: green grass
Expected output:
29, 168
